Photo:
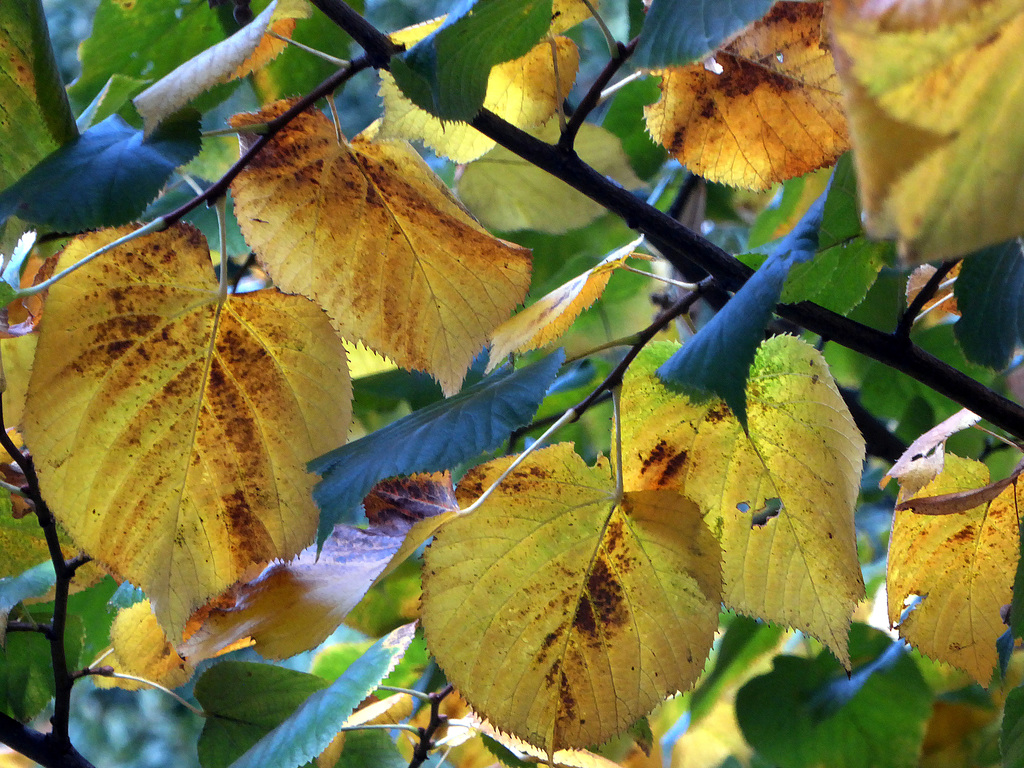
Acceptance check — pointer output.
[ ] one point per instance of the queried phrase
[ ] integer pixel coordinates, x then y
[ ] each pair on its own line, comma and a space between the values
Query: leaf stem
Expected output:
408, 691
566, 418
123, 676
156, 225
661, 278
319, 54
609, 38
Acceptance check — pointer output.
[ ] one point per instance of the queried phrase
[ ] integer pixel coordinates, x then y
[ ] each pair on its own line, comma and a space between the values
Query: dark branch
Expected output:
426, 742
40, 747
379, 48
593, 96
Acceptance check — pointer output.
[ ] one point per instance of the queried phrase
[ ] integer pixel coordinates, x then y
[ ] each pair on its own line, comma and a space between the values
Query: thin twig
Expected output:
422, 750
593, 96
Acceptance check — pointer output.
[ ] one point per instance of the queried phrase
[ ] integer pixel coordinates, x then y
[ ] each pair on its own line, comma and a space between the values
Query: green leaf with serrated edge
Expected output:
838, 277
308, 731
744, 640
808, 712
437, 437
990, 296
162, 35
446, 72
118, 91
243, 702
35, 117
1011, 737
104, 178
716, 362
13, 589
682, 31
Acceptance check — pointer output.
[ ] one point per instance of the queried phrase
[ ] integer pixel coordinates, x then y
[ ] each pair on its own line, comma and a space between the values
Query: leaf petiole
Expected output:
564, 419
156, 225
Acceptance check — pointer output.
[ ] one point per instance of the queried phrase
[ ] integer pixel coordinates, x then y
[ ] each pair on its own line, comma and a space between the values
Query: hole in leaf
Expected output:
771, 509
743, 506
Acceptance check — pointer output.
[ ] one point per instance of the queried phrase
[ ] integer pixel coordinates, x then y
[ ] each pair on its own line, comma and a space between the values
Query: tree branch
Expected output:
422, 750
593, 96
379, 48
40, 747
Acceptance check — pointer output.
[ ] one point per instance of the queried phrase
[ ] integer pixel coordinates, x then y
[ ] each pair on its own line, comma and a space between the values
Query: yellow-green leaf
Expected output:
171, 428
799, 567
933, 94
562, 615
524, 91
764, 108
962, 565
141, 649
371, 234
506, 192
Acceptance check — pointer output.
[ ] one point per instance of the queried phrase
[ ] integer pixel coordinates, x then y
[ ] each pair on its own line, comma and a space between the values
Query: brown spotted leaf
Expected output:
372, 235
171, 427
762, 109
294, 606
795, 566
962, 567
562, 614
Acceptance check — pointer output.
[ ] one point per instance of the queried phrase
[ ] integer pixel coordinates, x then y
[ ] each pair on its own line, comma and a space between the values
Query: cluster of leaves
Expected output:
243, 450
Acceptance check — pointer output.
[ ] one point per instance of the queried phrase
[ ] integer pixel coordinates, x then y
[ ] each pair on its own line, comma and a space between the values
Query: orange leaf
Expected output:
763, 109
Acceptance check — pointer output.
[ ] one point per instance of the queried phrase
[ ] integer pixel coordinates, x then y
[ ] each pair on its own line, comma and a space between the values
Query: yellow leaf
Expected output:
18, 353
762, 109
506, 192
294, 606
371, 234
141, 649
561, 615
524, 91
934, 101
551, 315
799, 567
562, 758
566, 14
171, 429
924, 457
962, 566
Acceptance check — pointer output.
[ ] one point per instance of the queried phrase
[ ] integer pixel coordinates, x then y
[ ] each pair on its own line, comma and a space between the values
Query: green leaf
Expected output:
807, 712
990, 296
437, 437
717, 360
13, 589
682, 31
243, 702
446, 73
308, 730
145, 39
104, 178
625, 118
744, 640
35, 117
1011, 739
370, 749
118, 91
838, 277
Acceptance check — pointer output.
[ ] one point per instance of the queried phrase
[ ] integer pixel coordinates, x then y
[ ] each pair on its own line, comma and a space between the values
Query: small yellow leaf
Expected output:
944, 301
561, 615
566, 14
525, 92
961, 566
371, 234
933, 95
141, 649
171, 429
506, 192
762, 109
798, 567
551, 315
